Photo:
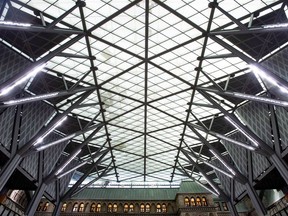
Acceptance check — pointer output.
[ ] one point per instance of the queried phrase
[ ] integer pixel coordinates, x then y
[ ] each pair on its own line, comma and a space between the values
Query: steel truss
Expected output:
98, 88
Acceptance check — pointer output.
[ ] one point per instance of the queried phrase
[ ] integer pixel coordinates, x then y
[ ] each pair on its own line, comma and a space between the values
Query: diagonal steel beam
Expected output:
244, 96
198, 69
223, 195
182, 17
82, 178
66, 138
13, 162
51, 176
248, 59
60, 31
118, 12
279, 163
66, 13
146, 84
223, 137
41, 97
94, 68
43, 60
252, 30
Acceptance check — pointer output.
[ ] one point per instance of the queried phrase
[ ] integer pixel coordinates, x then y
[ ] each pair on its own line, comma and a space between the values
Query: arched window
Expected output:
193, 203
39, 206
126, 207
64, 206
81, 207
98, 208
147, 208
204, 201
131, 208
186, 201
142, 208
217, 205
115, 207
109, 209
93, 207
198, 201
164, 209
75, 207
224, 204
45, 207
158, 207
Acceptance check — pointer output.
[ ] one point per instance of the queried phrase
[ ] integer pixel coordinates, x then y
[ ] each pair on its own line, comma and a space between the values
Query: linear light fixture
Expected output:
67, 162
223, 162
40, 140
30, 98
210, 183
218, 169
43, 147
268, 78
278, 25
60, 175
220, 136
15, 24
263, 99
202, 185
242, 131
31, 74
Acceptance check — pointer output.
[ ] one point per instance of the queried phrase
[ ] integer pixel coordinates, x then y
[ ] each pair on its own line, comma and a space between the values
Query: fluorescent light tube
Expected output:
67, 162
15, 24
223, 162
32, 73
242, 131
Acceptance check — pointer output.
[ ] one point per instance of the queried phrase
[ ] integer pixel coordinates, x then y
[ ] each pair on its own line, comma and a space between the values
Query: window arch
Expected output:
126, 207
93, 207
186, 201
147, 209
98, 207
164, 208
204, 201
198, 201
224, 204
39, 206
131, 208
45, 207
193, 203
217, 205
142, 207
110, 207
75, 207
115, 207
81, 207
158, 207
63, 208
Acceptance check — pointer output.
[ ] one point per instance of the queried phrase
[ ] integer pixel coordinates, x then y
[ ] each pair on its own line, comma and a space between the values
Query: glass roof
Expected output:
151, 57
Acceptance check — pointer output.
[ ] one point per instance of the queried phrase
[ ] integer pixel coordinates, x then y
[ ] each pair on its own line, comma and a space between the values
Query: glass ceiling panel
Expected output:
146, 102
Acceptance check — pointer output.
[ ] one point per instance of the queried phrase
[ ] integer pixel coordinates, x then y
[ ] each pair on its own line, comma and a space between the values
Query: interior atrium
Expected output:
145, 94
